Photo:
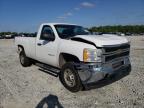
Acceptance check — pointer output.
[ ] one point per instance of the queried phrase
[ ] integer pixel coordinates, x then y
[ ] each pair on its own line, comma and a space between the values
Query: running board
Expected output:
48, 69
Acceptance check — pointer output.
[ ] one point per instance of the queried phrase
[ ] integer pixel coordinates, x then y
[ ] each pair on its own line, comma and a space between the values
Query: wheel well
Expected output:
65, 57
20, 47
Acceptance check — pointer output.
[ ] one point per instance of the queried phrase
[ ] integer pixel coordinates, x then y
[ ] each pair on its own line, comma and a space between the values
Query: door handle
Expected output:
39, 44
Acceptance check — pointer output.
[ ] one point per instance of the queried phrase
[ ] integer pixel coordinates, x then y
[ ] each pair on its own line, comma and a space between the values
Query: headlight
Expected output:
91, 55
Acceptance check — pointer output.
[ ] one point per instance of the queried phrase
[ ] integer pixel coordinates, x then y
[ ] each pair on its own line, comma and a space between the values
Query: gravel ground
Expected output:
31, 88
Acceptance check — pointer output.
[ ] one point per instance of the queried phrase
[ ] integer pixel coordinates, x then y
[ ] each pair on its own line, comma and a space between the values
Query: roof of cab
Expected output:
57, 24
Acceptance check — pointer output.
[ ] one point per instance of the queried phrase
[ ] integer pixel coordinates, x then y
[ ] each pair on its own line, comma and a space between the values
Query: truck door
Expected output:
46, 46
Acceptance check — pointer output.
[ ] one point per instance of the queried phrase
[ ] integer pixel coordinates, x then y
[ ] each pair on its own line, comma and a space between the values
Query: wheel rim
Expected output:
22, 59
69, 78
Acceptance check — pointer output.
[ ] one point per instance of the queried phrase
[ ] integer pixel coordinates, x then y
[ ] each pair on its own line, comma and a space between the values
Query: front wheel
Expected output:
70, 78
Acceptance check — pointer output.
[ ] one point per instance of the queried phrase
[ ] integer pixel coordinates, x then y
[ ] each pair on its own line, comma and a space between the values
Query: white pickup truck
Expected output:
80, 59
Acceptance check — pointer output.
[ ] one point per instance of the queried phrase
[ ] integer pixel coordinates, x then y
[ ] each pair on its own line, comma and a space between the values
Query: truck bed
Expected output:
28, 44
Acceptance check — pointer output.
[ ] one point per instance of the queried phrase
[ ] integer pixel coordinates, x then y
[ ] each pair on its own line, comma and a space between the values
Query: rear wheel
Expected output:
24, 60
70, 78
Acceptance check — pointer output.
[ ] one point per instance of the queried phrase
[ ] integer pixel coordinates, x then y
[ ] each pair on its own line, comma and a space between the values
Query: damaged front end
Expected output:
94, 72
114, 60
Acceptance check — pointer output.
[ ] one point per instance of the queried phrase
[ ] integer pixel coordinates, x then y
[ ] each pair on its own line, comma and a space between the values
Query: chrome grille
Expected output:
113, 52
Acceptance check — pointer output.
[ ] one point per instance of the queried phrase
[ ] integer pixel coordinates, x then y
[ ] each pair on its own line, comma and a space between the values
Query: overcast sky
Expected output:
26, 15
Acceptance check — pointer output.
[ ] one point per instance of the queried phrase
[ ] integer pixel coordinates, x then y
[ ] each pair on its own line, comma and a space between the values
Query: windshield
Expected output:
68, 31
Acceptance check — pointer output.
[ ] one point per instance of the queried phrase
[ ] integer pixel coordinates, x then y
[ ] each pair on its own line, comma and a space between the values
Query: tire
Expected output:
24, 60
75, 84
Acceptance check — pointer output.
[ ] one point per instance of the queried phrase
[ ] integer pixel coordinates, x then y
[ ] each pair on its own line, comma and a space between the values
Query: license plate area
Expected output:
117, 64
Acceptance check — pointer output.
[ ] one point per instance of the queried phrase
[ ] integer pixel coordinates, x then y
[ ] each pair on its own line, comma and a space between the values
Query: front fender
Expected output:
73, 47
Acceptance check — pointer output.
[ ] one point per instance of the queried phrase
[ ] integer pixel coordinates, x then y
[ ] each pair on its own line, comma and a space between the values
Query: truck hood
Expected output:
102, 40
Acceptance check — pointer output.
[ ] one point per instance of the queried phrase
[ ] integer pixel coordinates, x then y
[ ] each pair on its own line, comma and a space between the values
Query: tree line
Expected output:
134, 29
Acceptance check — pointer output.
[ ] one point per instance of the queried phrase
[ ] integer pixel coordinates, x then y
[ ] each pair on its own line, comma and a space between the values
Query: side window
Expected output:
47, 33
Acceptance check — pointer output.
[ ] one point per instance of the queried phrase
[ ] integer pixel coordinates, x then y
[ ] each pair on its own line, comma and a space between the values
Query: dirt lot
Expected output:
31, 88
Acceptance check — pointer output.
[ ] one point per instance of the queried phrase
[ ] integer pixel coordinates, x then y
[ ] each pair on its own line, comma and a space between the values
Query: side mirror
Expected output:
48, 37
51, 37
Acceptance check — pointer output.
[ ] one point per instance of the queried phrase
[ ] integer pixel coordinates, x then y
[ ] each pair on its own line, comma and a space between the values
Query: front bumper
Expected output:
94, 72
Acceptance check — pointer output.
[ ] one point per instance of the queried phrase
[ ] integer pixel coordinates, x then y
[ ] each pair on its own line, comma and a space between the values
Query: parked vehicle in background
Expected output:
120, 34
128, 34
1, 37
8, 36
78, 58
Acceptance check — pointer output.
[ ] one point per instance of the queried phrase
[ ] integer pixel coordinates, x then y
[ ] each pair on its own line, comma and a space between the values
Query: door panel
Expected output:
46, 51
